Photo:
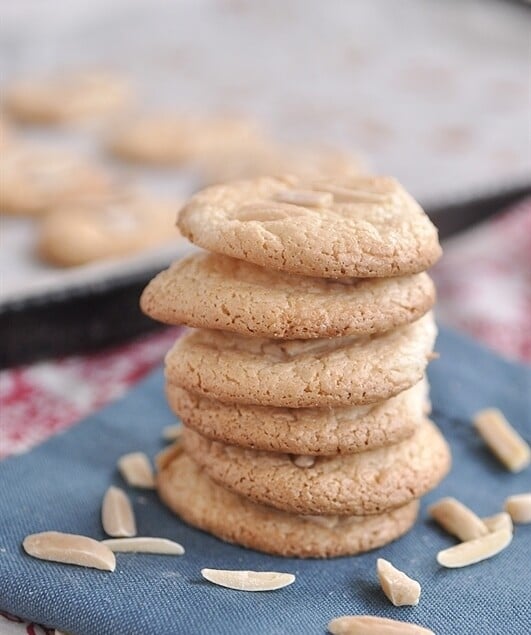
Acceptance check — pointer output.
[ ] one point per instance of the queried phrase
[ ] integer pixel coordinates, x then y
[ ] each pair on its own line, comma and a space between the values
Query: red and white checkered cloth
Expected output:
484, 284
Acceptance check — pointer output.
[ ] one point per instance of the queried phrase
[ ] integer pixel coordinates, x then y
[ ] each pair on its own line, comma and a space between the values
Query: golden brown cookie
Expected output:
366, 226
358, 484
6, 134
308, 431
36, 180
121, 224
186, 489
72, 97
212, 291
170, 139
301, 373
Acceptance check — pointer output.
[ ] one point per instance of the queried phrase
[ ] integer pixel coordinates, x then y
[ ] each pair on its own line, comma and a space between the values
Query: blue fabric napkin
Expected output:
60, 485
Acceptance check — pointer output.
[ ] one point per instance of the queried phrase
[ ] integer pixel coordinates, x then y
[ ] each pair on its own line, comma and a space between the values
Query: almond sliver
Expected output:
519, 507
117, 516
498, 521
503, 439
161, 546
369, 624
305, 198
69, 549
457, 519
399, 588
248, 580
473, 551
135, 469
172, 433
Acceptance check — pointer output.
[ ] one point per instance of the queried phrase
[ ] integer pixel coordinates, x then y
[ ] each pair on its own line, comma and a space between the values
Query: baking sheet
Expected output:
434, 93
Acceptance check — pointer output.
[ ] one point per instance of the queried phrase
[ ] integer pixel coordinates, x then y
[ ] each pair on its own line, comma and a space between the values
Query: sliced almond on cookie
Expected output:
305, 198
248, 580
303, 460
70, 549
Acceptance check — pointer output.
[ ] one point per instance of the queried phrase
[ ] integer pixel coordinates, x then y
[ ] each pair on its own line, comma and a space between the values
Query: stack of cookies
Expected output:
302, 387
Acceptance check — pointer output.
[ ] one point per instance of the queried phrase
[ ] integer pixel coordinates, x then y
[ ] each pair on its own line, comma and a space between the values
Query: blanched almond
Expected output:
498, 521
399, 588
372, 625
248, 580
136, 470
503, 439
476, 550
303, 460
305, 198
172, 433
457, 519
161, 546
69, 549
117, 516
519, 508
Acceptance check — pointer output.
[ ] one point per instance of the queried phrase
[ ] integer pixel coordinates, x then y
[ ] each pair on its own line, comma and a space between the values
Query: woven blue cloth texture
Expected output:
60, 484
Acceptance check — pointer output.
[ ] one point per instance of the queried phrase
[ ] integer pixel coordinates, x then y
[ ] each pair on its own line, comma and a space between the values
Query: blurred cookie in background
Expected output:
6, 134
123, 223
173, 140
36, 179
266, 158
67, 97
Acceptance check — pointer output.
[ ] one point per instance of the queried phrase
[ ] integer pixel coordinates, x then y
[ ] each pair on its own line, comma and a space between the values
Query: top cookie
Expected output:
366, 226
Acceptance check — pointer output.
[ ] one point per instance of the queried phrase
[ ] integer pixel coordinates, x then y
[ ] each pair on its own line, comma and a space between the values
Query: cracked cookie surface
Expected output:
311, 431
348, 370
359, 484
188, 491
216, 292
366, 226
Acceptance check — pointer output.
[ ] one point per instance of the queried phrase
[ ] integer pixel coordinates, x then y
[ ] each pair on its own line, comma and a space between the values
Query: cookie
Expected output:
166, 139
186, 489
366, 226
38, 179
352, 370
211, 291
6, 134
358, 484
308, 431
77, 96
265, 159
110, 227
